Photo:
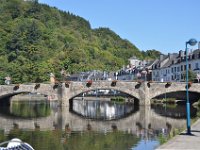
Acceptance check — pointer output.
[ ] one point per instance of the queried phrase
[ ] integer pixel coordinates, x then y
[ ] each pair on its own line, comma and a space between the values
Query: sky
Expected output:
164, 25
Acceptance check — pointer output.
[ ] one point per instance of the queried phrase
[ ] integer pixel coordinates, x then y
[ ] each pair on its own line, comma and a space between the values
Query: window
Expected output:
178, 77
196, 66
181, 67
178, 69
172, 70
181, 76
193, 56
189, 66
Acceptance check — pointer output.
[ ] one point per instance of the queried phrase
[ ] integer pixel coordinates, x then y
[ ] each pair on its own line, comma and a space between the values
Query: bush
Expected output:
118, 99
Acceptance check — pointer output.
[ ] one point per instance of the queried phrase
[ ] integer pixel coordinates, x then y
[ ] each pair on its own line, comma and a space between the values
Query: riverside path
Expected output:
184, 141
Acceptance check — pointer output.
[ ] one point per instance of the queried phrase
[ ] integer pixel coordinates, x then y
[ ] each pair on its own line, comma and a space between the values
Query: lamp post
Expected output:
191, 42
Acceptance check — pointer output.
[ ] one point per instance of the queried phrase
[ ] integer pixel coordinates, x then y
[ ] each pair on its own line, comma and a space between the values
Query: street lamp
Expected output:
191, 42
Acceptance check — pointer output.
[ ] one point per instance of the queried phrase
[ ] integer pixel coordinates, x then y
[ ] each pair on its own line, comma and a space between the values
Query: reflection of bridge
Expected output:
62, 118
142, 91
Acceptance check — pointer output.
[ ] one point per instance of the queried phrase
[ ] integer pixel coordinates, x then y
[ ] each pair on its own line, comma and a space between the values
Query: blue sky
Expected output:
164, 25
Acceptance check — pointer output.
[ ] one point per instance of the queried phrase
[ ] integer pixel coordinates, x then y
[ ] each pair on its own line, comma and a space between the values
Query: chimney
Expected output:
170, 56
161, 57
180, 53
199, 45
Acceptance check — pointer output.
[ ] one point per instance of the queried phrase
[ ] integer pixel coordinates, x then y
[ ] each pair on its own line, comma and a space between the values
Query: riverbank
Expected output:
184, 141
92, 98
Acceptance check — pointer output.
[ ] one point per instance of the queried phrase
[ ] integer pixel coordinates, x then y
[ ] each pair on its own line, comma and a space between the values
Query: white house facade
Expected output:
173, 67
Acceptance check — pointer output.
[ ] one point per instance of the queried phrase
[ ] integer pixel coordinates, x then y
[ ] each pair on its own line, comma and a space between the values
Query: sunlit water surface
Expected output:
90, 125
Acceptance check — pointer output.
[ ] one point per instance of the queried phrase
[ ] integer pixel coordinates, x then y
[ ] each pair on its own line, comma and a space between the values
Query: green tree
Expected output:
37, 39
191, 75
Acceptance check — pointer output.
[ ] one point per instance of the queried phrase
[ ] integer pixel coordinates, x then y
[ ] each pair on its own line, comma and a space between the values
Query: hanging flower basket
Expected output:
16, 87
138, 85
148, 84
67, 83
168, 84
189, 84
56, 84
37, 86
89, 83
113, 83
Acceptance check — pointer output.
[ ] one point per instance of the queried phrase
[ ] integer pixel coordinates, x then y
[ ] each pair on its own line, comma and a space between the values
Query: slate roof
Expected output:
173, 59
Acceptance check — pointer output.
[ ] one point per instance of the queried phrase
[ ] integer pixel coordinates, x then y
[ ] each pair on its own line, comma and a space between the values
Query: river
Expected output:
91, 125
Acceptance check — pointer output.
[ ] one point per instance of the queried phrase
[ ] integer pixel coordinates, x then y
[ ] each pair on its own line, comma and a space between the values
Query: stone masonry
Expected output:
143, 91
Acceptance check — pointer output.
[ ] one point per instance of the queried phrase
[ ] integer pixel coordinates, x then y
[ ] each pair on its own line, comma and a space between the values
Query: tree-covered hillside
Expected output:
37, 39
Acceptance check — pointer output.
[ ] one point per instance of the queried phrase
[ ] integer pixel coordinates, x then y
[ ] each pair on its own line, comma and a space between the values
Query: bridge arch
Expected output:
129, 93
11, 90
161, 88
129, 88
142, 91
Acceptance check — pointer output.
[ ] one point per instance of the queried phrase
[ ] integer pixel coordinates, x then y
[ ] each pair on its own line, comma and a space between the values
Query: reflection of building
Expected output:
101, 109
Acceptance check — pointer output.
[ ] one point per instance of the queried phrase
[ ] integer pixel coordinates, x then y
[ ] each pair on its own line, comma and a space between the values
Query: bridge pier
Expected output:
144, 94
65, 96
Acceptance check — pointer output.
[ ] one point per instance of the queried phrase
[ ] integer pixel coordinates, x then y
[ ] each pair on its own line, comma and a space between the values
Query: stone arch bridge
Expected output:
144, 91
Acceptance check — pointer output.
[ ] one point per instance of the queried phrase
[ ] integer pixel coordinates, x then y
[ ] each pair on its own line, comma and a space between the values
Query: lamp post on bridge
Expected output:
191, 42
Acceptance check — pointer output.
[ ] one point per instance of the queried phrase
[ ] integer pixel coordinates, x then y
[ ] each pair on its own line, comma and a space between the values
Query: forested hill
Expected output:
37, 39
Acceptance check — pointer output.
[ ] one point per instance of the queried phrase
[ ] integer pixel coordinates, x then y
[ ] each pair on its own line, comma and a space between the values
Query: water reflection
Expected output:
62, 130
102, 110
174, 111
28, 109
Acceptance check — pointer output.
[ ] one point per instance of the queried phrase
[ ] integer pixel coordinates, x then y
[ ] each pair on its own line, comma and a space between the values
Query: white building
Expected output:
173, 67
134, 61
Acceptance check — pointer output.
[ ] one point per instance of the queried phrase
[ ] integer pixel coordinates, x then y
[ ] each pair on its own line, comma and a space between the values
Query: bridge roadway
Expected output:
144, 91
137, 123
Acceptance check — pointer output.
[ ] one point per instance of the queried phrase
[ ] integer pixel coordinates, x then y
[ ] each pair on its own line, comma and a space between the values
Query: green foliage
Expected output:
151, 54
37, 39
191, 75
118, 99
113, 140
86, 140
27, 110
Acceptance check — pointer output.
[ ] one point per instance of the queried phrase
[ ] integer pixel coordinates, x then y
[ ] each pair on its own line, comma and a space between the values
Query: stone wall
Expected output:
142, 91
